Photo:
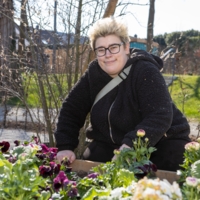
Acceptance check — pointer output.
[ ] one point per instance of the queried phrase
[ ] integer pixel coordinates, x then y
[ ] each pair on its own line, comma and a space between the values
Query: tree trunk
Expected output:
77, 40
23, 25
6, 48
150, 24
6, 31
110, 9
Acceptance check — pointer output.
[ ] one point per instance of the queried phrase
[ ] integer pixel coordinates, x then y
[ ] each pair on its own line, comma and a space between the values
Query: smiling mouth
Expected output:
109, 62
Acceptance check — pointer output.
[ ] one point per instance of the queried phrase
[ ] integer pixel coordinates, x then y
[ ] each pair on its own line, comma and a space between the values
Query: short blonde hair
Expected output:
108, 26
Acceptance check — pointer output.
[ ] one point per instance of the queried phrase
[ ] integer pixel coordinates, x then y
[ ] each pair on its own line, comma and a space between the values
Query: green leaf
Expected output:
151, 149
93, 192
45, 195
18, 150
126, 177
5, 164
195, 169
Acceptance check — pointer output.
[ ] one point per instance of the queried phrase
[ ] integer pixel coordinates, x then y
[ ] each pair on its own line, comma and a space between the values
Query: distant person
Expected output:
140, 101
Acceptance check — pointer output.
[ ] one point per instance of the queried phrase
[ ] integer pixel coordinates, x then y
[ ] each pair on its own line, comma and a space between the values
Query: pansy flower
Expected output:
59, 181
45, 171
65, 161
55, 167
17, 143
52, 151
4, 146
93, 175
73, 192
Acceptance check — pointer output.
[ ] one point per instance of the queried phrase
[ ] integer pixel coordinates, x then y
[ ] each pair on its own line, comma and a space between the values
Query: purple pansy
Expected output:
55, 167
59, 181
17, 143
73, 192
92, 175
45, 171
4, 146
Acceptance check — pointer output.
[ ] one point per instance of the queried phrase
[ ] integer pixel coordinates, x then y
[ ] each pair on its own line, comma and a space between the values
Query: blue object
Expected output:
138, 45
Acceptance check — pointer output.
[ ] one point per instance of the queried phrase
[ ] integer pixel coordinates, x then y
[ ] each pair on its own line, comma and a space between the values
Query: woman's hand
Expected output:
66, 153
123, 146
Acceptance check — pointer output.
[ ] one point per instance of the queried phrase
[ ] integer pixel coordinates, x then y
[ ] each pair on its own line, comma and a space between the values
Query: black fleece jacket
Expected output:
141, 101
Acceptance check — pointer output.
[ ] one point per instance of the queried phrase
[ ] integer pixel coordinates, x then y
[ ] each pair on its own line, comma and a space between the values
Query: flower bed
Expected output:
30, 171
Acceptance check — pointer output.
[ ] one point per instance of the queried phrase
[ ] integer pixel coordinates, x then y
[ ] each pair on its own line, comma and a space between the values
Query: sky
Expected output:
170, 16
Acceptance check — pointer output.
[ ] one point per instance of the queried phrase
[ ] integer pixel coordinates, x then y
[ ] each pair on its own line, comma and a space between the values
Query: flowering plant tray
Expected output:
86, 166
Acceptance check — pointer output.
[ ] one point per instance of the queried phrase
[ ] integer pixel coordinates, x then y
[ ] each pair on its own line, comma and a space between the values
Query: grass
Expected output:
33, 98
185, 92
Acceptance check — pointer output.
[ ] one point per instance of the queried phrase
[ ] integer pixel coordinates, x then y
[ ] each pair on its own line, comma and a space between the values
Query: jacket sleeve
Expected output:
155, 104
72, 115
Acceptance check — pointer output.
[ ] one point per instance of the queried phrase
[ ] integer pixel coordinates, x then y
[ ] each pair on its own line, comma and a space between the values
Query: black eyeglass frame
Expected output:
108, 49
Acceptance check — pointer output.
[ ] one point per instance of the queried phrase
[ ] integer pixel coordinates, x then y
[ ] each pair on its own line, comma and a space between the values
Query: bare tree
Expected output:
6, 48
110, 9
36, 57
150, 24
77, 39
6, 32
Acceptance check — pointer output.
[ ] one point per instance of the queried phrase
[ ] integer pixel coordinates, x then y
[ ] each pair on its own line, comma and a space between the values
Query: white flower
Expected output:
176, 190
35, 146
156, 189
28, 149
179, 172
166, 188
117, 192
130, 189
23, 156
151, 192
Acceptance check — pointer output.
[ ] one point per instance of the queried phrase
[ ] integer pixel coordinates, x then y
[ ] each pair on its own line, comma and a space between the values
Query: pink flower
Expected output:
192, 181
192, 146
140, 133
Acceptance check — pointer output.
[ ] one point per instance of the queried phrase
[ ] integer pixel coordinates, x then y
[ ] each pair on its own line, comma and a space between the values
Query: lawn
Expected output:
185, 92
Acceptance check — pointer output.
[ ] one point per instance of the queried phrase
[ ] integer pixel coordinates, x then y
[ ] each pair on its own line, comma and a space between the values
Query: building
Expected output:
142, 44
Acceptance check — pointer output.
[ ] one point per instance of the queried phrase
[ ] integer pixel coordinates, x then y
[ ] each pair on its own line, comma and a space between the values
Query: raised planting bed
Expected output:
82, 166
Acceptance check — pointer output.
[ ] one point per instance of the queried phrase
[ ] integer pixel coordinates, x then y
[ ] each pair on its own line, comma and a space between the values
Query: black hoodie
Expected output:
141, 101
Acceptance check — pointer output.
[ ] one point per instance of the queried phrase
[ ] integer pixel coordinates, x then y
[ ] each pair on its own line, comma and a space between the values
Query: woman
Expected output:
141, 101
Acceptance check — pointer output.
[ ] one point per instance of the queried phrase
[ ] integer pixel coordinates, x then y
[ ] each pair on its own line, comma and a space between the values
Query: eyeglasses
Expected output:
113, 48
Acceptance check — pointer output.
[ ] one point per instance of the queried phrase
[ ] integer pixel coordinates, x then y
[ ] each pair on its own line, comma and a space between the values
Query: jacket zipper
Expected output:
110, 129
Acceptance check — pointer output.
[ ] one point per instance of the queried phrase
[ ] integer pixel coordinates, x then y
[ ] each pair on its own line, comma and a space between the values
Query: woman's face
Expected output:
112, 64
